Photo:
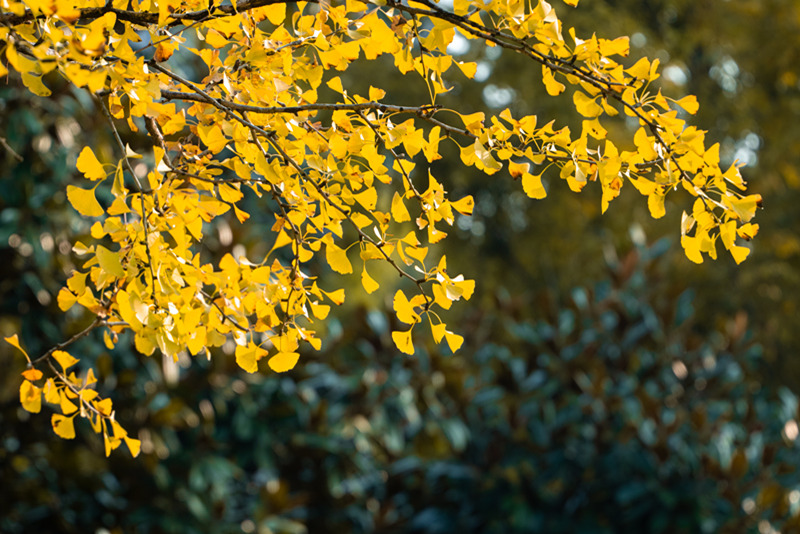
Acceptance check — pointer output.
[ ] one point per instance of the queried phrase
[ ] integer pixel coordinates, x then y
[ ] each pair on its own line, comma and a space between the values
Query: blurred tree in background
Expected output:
641, 402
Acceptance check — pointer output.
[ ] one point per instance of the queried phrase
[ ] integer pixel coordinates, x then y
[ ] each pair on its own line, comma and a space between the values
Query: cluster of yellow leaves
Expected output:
72, 396
344, 180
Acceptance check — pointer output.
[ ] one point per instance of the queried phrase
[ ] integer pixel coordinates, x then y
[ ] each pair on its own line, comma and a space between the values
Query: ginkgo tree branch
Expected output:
209, 99
607, 87
255, 123
303, 108
96, 323
147, 18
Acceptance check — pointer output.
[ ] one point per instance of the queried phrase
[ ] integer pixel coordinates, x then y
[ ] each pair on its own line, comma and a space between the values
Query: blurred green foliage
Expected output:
601, 411
649, 400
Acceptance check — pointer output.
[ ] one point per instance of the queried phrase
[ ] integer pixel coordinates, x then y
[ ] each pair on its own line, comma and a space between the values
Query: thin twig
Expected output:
13, 152
98, 321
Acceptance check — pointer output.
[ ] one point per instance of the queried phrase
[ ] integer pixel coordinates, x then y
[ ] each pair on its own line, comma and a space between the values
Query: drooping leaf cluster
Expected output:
350, 173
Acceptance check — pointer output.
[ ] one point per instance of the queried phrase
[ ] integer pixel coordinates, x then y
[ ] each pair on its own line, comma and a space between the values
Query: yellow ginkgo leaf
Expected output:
134, 445
30, 397
337, 258
464, 206
103, 406
34, 83
739, 253
64, 359
109, 261
399, 211
370, 285
84, 201
320, 311
553, 87
691, 246
247, 356
32, 374
283, 361
337, 297
438, 331
63, 426
14, 341
655, 202
405, 308
689, 104
89, 165
454, 341
532, 185
51, 394
67, 406
403, 342
586, 106
111, 443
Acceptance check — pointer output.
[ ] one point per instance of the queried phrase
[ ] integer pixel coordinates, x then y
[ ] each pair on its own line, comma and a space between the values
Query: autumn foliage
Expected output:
348, 180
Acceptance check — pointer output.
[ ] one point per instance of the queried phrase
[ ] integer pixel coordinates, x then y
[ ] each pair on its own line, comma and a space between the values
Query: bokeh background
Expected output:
606, 383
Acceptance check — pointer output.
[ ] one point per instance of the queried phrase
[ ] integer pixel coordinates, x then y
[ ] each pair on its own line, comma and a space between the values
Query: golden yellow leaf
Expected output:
85, 395
747, 231
440, 297
586, 106
739, 253
111, 443
320, 311
691, 246
64, 359
464, 206
283, 361
553, 87
367, 281
337, 297
35, 84
335, 83
89, 165
32, 374
110, 261
655, 202
212, 137
438, 331
134, 445
247, 356
595, 129
103, 406
367, 198
454, 341
90, 378
745, 207
30, 397
67, 406
405, 308
337, 257
402, 341
63, 426
467, 68
399, 211
532, 185
51, 392
689, 104
84, 201
14, 342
